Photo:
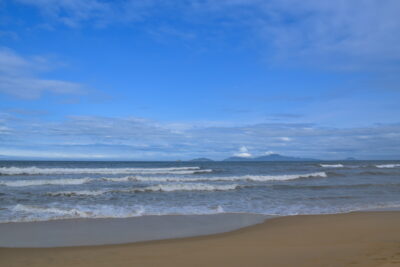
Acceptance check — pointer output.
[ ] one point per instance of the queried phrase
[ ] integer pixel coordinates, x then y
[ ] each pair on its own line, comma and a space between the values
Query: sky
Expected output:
169, 80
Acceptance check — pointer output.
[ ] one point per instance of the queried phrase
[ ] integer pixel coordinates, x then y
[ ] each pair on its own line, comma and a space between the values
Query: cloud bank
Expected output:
142, 139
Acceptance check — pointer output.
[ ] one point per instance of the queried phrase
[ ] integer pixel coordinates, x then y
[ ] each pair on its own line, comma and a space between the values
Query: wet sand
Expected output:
354, 239
87, 232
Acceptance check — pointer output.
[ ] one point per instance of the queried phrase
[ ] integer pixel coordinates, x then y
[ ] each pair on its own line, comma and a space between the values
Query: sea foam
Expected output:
44, 213
331, 165
50, 171
388, 166
77, 181
153, 188
30, 213
256, 178
183, 187
77, 193
20, 183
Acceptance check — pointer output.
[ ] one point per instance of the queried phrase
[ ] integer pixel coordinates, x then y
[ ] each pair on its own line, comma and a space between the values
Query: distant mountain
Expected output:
201, 159
271, 157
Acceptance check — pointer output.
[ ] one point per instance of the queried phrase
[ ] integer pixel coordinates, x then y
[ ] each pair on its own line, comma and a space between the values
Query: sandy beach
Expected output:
353, 239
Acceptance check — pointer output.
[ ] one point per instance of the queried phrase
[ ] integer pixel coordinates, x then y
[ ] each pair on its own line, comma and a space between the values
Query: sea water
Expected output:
48, 190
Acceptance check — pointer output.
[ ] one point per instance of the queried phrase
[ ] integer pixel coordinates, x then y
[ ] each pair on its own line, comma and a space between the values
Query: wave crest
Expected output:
77, 193
388, 166
49, 171
331, 165
153, 188
183, 187
44, 213
256, 178
20, 183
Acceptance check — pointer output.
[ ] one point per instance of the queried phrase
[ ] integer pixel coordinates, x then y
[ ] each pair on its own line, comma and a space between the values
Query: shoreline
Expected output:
350, 239
77, 232
112, 231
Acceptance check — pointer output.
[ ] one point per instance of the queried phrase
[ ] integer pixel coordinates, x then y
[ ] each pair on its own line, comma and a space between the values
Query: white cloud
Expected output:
19, 76
243, 153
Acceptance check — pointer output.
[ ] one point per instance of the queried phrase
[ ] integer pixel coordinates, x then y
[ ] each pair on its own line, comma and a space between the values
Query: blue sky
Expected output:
167, 80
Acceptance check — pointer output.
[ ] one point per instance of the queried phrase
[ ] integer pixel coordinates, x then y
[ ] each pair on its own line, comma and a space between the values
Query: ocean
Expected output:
50, 190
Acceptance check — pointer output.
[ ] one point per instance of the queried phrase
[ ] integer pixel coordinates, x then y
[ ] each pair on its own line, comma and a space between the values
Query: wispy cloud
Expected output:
345, 35
20, 76
138, 138
71, 12
74, 13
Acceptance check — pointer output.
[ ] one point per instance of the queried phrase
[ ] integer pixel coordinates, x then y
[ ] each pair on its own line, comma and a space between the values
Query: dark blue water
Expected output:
43, 190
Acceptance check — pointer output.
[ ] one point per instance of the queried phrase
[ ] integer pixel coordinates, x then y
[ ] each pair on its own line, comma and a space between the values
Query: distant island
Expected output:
271, 157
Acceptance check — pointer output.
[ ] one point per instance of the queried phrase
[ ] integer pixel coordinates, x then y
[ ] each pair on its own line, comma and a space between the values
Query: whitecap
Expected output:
77, 193
257, 178
49, 171
20, 183
54, 212
388, 166
183, 187
331, 165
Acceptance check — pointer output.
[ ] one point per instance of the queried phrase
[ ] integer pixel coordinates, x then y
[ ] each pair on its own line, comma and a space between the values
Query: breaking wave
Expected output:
331, 165
256, 178
43, 213
78, 181
77, 193
20, 183
388, 166
182, 187
31, 213
49, 171
153, 188
38, 209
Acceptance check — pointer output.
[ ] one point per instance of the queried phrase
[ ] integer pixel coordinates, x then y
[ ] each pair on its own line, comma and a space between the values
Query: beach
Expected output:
144, 133
350, 239
60, 213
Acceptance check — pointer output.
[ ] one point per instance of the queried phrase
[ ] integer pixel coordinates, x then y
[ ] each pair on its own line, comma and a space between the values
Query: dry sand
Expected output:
355, 239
